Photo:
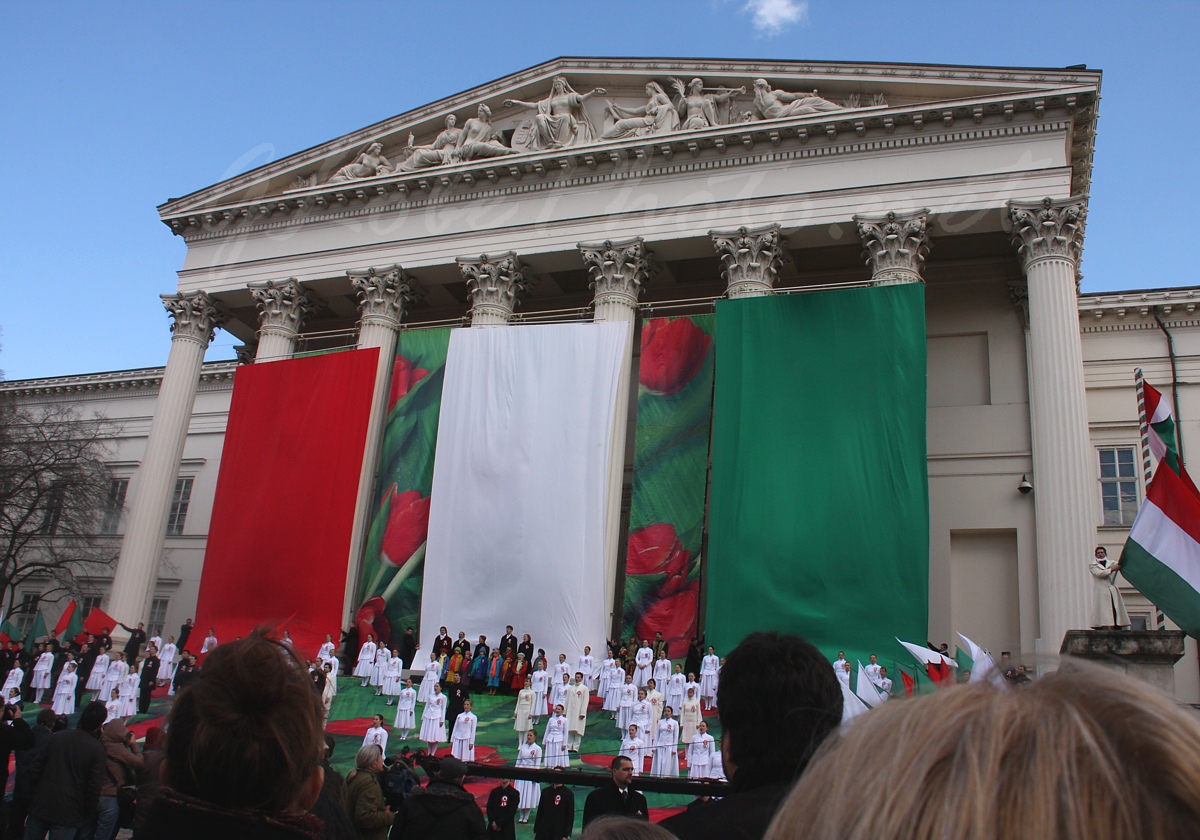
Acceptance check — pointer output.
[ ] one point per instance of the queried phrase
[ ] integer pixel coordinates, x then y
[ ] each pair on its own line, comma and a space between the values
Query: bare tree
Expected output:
55, 488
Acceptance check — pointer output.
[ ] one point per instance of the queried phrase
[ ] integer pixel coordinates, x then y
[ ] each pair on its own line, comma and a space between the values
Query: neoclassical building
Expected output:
612, 190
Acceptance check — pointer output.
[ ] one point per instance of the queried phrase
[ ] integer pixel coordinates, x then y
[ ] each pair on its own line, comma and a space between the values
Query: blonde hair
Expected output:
1083, 754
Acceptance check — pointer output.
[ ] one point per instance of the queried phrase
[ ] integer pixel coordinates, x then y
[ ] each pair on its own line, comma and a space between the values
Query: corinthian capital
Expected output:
618, 269
750, 259
894, 246
495, 285
382, 295
1048, 228
282, 306
194, 316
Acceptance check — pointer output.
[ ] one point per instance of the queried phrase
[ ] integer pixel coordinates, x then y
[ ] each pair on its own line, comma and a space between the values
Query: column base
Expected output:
1147, 655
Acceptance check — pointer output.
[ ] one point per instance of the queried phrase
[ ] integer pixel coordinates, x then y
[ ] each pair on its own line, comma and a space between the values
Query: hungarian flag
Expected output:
97, 620
37, 630
69, 626
1162, 556
1161, 422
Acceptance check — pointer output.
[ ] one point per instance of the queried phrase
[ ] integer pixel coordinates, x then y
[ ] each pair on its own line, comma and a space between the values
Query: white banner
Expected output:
517, 512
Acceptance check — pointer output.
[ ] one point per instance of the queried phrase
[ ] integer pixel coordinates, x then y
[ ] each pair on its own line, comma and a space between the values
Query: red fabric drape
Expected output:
284, 509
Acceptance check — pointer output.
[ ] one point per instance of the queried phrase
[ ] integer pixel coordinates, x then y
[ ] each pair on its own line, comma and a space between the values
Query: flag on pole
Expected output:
937, 664
866, 690
965, 660
37, 630
909, 680
852, 706
1164, 444
984, 667
97, 620
69, 626
1162, 555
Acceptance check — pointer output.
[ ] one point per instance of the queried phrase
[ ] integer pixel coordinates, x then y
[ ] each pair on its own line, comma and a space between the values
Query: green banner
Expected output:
819, 520
393, 559
666, 520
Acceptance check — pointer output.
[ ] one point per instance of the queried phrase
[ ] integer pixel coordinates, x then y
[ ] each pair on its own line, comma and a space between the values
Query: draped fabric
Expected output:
279, 539
819, 519
518, 506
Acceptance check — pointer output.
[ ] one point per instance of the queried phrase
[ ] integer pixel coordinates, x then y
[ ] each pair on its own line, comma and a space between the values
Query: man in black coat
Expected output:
555, 813
502, 811
137, 638
769, 677
185, 633
616, 797
443, 809
149, 679
67, 776
22, 786
458, 695
508, 642
408, 648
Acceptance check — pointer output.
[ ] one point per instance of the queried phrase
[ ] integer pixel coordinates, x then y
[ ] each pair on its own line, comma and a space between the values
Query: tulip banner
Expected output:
666, 520
393, 558
819, 521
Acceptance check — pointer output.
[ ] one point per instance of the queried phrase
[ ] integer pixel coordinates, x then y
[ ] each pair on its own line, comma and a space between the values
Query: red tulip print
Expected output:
404, 377
371, 618
673, 613
672, 353
656, 549
407, 526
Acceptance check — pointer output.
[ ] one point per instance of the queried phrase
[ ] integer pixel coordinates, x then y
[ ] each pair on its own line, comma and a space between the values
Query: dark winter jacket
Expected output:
66, 778
442, 811
366, 806
174, 816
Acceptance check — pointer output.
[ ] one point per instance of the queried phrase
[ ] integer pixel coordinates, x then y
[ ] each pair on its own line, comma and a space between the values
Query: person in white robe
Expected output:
603, 673
885, 685
644, 660
666, 747
113, 705
839, 664
662, 669
64, 691
561, 669
406, 710
539, 682
117, 671
640, 715
523, 716
210, 642
382, 655
335, 667
709, 667
872, 669
655, 698
843, 674
329, 691
392, 676
528, 755
377, 734
700, 753
616, 679
14, 679
673, 693
554, 740
558, 692
41, 675
690, 715
433, 718
587, 667
576, 712
99, 674
128, 691
634, 748
462, 744
366, 660
627, 698
155, 642
166, 661
433, 670
325, 650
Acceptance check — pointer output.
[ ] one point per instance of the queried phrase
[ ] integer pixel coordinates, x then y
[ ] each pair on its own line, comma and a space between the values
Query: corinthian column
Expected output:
618, 271
1048, 236
196, 317
282, 307
750, 259
495, 286
894, 246
382, 297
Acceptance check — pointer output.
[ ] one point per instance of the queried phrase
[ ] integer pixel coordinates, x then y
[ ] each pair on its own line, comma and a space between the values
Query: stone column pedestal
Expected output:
1148, 655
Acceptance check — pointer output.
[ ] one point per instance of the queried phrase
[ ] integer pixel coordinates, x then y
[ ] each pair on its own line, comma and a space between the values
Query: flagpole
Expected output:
1160, 620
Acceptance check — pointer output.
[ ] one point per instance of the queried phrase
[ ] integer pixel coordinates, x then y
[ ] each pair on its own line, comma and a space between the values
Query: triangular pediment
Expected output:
648, 106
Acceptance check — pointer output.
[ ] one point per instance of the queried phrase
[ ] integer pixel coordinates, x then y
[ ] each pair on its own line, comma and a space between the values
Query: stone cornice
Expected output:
719, 148
219, 374
1135, 309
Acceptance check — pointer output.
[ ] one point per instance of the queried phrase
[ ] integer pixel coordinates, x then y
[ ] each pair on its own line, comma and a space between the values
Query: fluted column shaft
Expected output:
196, 317
282, 306
895, 246
618, 270
1049, 239
383, 297
750, 259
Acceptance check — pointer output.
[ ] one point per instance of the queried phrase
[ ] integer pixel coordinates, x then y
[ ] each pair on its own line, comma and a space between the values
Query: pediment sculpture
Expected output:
561, 120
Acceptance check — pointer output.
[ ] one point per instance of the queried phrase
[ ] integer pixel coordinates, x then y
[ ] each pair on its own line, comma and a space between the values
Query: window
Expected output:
158, 617
53, 510
1118, 484
89, 603
115, 505
179, 506
25, 611
1139, 621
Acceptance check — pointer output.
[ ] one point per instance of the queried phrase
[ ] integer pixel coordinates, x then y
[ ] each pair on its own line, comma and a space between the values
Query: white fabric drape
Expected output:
517, 512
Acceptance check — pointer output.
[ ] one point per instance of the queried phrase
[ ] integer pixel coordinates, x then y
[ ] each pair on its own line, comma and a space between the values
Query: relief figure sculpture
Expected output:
480, 140
437, 153
697, 105
560, 119
367, 165
657, 116
773, 104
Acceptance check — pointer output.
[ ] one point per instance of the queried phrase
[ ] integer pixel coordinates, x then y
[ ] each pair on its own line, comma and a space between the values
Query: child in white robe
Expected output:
113, 705
406, 709
561, 669
433, 718
627, 697
655, 699
64, 691
15, 677
662, 669
366, 660
128, 691
433, 672
604, 673
700, 753
616, 679
585, 666
643, 660
666, 747
117, 671
382, 657
528, 755
462, 743
523, 715
554, 741
392, 674
709, 667
640, 714
633, 748
166, 661
673, 691
539, 681
558, 693
41, 675
377, 734
326, 649
99, 673
690, 716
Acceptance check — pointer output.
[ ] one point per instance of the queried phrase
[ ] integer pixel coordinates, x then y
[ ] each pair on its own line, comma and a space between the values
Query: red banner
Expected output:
281, 524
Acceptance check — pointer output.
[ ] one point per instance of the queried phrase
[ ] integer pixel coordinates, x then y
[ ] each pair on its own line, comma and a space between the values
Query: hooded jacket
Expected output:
120, 758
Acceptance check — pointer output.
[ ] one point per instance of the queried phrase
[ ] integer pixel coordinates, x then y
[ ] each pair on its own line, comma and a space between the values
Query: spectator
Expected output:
624, 828
779, 700
616, 797
1079, 755
330, 806
364, 795
150, 779
244, 750
555, 814
443, 809
42, 730
67, 777
124, 762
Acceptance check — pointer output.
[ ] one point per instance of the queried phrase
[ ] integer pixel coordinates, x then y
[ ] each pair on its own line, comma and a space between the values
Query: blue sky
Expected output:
109, 109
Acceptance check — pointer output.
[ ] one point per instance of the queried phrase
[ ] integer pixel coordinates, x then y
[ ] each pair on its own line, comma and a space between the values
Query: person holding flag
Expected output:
1108, 607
